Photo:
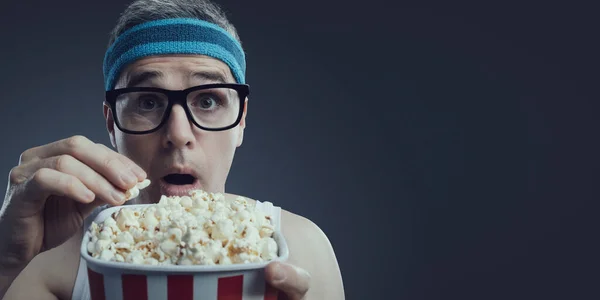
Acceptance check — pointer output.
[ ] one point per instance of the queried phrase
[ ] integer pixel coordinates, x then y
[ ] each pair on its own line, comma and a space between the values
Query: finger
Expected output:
294, 282
139, 172
52, 149
101, 159
52, 182
93, 181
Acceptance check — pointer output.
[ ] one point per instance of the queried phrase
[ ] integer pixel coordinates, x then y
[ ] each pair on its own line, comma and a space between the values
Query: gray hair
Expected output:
140, 11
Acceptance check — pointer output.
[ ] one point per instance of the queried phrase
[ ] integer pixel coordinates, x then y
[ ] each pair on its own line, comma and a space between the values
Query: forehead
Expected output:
178, 65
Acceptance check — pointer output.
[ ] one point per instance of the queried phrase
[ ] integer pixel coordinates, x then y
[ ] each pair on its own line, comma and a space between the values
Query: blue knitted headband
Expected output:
173, 36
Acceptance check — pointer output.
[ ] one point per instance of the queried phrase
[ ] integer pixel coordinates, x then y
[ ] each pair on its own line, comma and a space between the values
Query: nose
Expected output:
179, 131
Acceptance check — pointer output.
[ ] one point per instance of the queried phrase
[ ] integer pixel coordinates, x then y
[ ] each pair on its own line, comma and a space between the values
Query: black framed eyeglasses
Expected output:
212, 107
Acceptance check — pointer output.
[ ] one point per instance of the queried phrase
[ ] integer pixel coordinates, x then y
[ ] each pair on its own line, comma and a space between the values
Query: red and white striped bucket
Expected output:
123, 281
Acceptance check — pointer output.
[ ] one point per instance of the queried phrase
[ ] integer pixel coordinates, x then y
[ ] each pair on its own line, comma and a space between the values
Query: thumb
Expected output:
292, 281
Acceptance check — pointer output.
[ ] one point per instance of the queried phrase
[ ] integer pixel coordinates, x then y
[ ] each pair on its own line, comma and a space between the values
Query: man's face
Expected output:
179, 146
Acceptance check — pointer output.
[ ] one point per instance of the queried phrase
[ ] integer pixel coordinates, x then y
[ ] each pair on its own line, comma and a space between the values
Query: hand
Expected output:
292, 282
53, 189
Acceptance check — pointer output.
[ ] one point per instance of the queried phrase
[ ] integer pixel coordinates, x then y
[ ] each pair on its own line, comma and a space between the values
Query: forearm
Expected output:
23, 280
7, 275
27, 283
11, 264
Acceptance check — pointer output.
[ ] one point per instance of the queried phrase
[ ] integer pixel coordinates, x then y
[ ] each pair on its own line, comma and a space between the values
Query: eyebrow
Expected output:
216, 77
144, 76
137, 78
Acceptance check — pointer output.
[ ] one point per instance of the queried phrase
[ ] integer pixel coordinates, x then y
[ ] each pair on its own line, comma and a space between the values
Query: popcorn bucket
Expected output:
124, 281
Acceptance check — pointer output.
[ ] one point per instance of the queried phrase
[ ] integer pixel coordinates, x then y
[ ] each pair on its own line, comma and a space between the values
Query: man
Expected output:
175, 110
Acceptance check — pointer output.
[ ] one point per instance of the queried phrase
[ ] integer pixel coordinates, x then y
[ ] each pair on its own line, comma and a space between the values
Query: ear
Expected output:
242, 124
110, 124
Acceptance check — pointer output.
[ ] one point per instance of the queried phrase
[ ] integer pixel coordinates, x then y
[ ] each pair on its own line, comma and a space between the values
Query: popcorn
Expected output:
107, 255
135, 191
199, 229
127, 218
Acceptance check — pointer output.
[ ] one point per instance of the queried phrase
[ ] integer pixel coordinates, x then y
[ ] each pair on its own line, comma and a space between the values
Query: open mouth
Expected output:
179, 179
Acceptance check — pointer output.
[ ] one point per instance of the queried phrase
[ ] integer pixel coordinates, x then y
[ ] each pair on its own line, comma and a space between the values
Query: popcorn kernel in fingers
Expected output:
135, 191
143, 184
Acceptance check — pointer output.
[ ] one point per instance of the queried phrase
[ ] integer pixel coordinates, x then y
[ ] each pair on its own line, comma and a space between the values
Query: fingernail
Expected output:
119, 197
278, 273
89, 195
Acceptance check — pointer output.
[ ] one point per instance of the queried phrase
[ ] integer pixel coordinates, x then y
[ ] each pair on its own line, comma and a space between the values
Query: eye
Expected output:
148, 102
206, 102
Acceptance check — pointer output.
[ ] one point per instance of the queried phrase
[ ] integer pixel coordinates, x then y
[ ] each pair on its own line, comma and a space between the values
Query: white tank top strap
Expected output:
81, 290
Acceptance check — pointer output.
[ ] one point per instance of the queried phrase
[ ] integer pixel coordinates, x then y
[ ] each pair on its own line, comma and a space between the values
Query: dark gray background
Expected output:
448, 151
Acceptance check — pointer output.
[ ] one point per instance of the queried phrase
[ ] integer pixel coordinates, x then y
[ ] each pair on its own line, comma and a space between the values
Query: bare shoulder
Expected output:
311, 250
50, 275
